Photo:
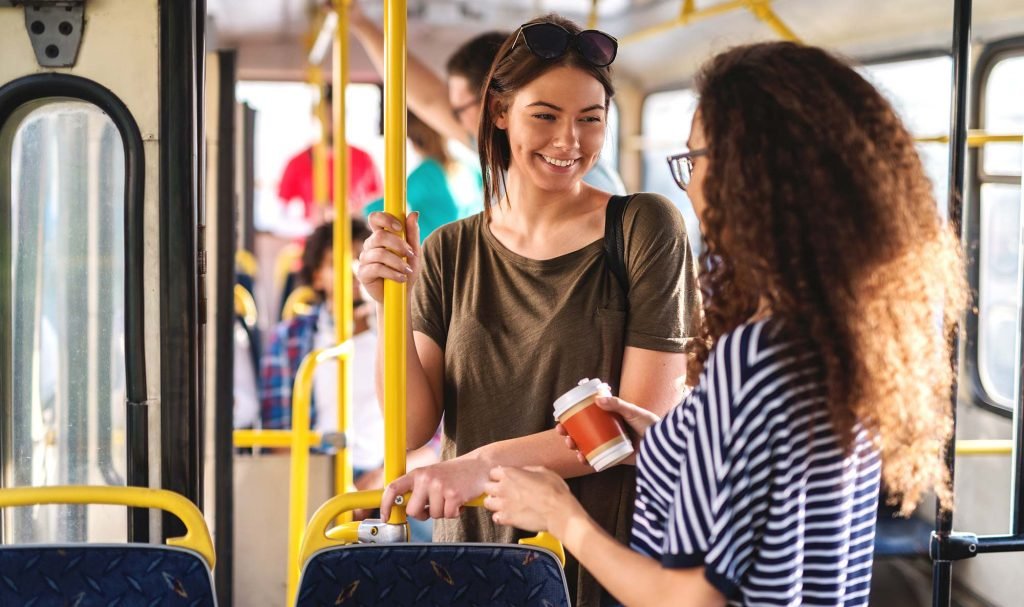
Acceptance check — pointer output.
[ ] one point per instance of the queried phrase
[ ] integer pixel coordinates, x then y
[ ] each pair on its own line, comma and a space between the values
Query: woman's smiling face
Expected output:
556, 128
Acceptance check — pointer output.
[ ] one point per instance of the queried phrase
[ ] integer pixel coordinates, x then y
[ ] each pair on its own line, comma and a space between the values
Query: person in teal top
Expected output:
441, 188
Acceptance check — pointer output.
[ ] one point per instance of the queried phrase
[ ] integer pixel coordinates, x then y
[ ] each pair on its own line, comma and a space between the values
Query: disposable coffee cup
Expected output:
599, 434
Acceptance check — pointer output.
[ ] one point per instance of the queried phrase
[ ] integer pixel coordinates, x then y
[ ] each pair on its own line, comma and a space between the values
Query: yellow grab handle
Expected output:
196, 538
316, 537
319, 536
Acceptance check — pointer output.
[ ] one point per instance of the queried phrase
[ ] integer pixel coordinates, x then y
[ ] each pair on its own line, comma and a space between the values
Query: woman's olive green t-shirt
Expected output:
517, 333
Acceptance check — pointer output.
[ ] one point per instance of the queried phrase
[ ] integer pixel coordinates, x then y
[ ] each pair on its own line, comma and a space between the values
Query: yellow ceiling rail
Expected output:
762, 9
977, 138
689, 13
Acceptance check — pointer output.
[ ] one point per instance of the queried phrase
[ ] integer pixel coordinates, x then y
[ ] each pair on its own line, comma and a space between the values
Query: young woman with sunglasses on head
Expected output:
831, 285
514, 306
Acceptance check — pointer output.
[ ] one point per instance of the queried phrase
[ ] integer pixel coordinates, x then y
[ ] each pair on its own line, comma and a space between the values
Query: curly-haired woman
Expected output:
827, 275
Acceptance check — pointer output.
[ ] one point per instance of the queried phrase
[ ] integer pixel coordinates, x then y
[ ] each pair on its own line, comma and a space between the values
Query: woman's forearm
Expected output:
541, 449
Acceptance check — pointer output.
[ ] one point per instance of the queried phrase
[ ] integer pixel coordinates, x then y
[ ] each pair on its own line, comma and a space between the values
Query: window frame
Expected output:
990, 56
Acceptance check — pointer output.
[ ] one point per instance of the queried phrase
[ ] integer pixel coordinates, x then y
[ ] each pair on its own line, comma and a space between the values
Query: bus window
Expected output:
919, 91
67, 417
999, 255
664, 128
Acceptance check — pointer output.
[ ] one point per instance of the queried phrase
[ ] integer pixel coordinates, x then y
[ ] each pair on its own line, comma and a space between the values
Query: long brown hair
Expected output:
817, 202
513, 69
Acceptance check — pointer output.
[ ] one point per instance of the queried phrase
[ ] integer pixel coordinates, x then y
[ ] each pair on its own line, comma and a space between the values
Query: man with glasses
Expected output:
453, 108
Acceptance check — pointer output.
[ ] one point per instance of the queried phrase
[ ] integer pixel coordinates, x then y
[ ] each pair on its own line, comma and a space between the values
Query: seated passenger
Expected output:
441, 188
511, 307
830, 270
294, 339
453, 108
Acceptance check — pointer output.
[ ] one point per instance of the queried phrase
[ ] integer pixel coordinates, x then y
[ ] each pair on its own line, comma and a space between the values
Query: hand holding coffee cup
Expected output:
598, 434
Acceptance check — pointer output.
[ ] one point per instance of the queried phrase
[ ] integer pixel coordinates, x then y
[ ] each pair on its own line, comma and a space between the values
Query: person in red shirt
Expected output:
296, 182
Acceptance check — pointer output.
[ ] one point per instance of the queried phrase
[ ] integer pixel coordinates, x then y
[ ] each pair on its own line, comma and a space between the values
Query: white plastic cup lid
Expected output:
586, 389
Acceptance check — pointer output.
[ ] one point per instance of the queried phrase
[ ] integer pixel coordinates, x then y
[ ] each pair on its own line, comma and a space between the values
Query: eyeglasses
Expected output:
551, 41
681, 166
458, 111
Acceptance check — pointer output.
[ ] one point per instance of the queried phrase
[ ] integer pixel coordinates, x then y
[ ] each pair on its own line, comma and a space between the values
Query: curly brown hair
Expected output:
818, 205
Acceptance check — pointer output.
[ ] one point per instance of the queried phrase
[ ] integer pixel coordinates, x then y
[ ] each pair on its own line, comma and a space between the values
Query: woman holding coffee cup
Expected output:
829, 270
512, 307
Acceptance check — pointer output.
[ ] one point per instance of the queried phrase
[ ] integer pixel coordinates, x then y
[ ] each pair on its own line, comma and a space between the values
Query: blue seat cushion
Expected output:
105, 575
433, 574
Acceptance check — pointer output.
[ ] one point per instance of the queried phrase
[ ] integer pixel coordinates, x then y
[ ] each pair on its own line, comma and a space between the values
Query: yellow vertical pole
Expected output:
592, 19
342, 249
316, 78
395, 312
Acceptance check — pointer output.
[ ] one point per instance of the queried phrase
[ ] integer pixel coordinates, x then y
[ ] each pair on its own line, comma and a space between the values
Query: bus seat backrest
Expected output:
433, 574
91, 574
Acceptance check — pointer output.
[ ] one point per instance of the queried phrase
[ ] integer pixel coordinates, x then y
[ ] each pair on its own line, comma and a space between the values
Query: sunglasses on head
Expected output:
551, 41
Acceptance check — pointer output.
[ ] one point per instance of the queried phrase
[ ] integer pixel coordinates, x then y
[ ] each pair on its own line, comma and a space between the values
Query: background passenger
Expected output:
829, 369
511, 307
453, 108
297, 179
441, 188
294, 339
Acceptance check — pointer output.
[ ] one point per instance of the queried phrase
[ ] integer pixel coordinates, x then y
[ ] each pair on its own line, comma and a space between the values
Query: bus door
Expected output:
99, 258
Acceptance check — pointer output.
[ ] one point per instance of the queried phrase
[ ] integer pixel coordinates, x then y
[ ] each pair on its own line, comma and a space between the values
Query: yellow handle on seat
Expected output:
245, 305
318, 536
196, 538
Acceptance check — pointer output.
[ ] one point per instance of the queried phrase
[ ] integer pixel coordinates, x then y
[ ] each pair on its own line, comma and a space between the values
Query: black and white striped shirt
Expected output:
746, 478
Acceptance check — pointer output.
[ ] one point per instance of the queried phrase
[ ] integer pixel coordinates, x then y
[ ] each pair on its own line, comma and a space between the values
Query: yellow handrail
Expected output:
298, 482
342, 248
245, 305
984, 447
270, 438
246, 262
316, 539
319, 536
977, 138
196, 538
300, 302
394, 203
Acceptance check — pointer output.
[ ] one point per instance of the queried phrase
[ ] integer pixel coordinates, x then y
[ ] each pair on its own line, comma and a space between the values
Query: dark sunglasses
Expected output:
551, 41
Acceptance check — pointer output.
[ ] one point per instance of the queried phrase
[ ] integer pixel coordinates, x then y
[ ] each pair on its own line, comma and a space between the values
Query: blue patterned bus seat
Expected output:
87, 575
433, 574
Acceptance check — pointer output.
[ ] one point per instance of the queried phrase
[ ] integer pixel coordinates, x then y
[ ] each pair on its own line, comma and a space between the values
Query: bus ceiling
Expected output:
662, 45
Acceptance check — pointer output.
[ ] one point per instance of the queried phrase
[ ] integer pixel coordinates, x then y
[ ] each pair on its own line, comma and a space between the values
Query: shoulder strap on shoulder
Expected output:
615, 240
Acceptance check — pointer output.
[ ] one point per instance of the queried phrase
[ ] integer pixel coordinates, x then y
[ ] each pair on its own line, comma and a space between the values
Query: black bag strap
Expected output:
615, 240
